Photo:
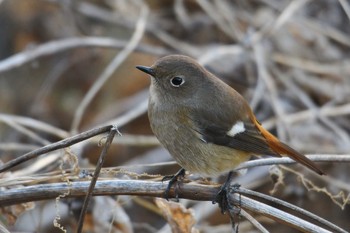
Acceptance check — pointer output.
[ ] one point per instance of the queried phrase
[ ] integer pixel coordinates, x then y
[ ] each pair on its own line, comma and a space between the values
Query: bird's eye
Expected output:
177, 81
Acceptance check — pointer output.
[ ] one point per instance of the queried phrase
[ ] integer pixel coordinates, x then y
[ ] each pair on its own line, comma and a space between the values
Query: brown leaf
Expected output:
180, 219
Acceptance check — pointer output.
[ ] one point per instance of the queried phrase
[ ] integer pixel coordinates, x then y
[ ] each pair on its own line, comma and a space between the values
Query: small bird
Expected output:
206, 125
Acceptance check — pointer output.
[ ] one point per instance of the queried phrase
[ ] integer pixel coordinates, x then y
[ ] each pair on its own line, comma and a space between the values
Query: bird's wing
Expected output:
246, 134
238, 134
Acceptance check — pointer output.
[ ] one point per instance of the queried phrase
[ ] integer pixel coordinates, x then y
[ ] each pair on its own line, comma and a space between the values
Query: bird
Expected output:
206, 125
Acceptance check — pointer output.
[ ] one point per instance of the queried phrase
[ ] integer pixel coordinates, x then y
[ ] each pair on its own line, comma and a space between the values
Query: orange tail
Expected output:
283, 149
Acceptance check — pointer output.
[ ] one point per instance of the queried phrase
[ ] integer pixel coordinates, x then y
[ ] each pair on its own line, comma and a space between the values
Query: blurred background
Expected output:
69, 66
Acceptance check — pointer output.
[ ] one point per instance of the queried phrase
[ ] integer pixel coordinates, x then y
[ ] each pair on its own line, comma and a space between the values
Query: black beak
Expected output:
147, 70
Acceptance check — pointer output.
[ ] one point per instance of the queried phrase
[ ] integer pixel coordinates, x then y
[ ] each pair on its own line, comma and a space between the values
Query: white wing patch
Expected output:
236, 129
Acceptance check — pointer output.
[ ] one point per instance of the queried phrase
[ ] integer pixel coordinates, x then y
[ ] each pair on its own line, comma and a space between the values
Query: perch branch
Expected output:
152, 189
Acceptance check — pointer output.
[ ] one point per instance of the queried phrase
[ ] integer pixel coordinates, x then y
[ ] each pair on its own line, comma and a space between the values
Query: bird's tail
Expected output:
283, 149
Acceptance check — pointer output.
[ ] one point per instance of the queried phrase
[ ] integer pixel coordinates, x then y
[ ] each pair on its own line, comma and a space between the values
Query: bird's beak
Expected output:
147, 70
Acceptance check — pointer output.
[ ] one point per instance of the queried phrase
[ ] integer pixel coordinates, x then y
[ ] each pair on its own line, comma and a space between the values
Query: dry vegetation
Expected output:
68, 67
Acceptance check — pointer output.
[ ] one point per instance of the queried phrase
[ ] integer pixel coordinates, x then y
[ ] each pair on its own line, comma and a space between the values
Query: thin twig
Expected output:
286, 160
276, 214
290, 206
54, 146
100, 162
253, 221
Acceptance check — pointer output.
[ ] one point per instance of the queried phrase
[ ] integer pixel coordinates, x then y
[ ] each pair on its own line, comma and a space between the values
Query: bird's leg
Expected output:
172, 180
222, 196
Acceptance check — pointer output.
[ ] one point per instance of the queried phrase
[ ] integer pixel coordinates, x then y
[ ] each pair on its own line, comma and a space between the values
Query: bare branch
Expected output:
291, 207
285, 160
276, 214
54, 146
152, 189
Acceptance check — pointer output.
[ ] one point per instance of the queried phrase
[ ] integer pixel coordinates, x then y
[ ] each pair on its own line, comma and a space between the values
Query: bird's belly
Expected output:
209, 159
199, 157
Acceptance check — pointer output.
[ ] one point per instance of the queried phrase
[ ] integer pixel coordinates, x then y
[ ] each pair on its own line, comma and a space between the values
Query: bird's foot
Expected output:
173, 179
222, 197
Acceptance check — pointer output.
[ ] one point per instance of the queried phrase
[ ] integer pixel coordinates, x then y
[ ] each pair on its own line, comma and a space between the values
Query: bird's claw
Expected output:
173, 179
222, 197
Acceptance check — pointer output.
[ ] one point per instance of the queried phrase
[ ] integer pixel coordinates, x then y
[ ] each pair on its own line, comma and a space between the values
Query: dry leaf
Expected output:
180, 219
